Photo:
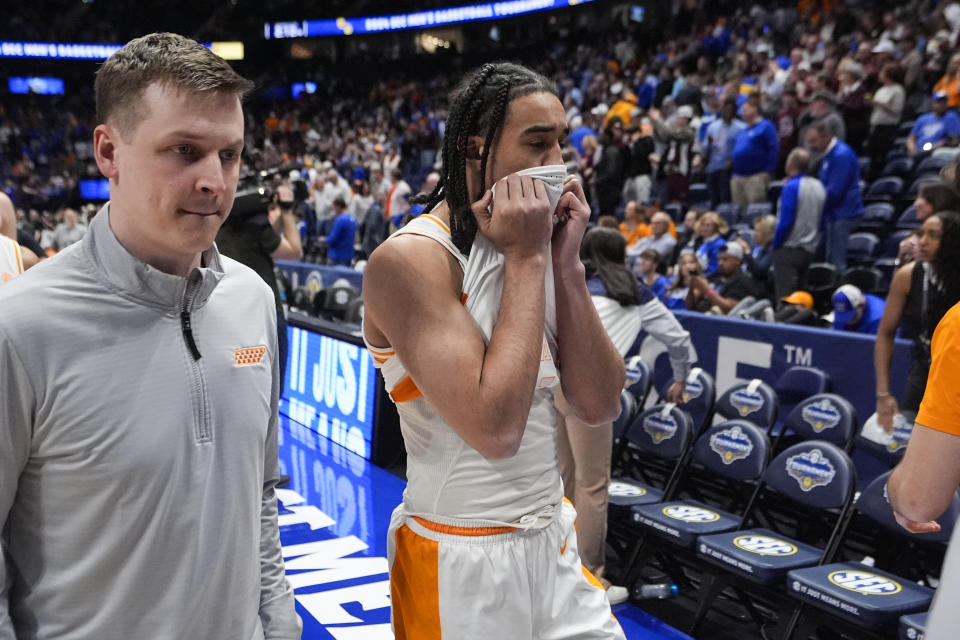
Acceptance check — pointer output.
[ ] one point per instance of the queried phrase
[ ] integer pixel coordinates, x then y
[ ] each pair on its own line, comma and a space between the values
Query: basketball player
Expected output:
476, 313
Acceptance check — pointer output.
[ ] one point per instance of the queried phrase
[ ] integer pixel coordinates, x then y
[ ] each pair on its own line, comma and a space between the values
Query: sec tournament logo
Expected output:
660, 427
821, 415
731, 445
694, 389
625, 490
314, 283
687, 513
811, 469
765, 545
864, 582
745, 402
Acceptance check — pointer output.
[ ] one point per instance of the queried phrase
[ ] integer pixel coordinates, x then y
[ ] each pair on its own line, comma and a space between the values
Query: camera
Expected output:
254, 194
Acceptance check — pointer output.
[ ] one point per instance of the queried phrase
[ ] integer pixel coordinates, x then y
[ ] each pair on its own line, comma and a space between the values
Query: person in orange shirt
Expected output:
635, 224
950, 82
922, 486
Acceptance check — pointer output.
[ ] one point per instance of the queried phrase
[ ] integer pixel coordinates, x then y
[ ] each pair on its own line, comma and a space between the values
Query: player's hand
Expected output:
571, 218
675, 392
887, 408
520, 223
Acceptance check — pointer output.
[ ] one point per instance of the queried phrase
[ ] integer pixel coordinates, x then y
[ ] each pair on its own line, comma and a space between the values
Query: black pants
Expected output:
282, 347
916, 384
789, 268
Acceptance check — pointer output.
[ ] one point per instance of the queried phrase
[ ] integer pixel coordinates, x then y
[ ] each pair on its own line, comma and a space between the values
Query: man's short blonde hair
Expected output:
159, 57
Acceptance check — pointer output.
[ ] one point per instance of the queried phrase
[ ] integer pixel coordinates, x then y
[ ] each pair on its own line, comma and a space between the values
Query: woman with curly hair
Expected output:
926, 289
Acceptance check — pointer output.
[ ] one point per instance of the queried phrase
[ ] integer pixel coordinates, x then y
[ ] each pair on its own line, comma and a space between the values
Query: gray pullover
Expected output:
137, 481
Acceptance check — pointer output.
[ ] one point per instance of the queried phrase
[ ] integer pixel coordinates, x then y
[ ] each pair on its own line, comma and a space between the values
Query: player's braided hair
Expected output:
479, 107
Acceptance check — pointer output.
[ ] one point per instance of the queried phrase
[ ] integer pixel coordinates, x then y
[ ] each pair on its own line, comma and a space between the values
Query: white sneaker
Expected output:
617, 594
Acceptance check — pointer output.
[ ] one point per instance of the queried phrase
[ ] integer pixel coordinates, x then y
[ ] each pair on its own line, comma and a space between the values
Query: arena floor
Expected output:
333, 527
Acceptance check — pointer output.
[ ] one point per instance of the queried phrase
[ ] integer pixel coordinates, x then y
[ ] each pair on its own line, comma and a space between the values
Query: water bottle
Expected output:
660, 591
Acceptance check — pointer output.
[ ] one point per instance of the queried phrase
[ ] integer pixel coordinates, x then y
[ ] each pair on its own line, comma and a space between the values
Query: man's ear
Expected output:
106, 142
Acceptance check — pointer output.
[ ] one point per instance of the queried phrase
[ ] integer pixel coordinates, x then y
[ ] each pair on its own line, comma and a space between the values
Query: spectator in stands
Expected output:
333, 187
397, 197
938, 128
718, 149
635, 224
758, 259
711, 231
923, 290
68, 231
376, 227
639, 170
660, 240
686, 233
822, 109
650, 271
676, 162
343, 233
853, 106
840, 175
932, 198
583, 452
797, 234
787, 124
855, 311
888, 102
949, 84
608, 174
797, 308
679, 290
722, 291
911, 63
755, 155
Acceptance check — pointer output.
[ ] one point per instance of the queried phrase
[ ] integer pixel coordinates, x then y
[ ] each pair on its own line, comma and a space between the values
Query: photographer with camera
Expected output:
259, 229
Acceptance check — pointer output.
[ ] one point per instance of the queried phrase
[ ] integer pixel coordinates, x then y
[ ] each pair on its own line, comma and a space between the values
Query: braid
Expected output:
479, 107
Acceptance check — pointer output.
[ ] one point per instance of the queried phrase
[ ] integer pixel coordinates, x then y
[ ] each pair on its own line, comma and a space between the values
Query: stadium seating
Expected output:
862, 248
824, 416
799, 383
867, 279
755, 401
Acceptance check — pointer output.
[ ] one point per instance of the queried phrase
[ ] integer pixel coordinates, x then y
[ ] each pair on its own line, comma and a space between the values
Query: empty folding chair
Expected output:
815, 481
913, 626
798, 383
698, 192
824, 416
639, 379
886, 267
864, 166
908, 220
862, 248
733, 453
821, 281
699, 397
730, 212
333, 302
757, 210
885, 189
932, 164
890, 449
628, 409
891, 245
754, 400
648, 459
900, 167
867, 279
861, 597
877, 218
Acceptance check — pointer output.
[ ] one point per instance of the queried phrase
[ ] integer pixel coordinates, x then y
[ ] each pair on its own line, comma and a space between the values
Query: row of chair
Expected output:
658, 451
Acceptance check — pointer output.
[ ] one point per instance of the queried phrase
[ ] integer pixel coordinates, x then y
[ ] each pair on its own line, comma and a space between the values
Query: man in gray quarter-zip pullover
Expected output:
138, 421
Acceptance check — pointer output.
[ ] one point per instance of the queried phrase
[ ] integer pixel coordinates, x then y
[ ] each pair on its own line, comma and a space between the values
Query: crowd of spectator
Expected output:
753, 142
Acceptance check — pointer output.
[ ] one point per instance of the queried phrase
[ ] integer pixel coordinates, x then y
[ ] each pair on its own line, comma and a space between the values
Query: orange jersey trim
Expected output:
440, 222
414, 587
405, 391
462, 531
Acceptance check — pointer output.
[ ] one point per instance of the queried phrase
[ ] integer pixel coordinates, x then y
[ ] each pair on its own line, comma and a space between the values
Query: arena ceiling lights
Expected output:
416, 20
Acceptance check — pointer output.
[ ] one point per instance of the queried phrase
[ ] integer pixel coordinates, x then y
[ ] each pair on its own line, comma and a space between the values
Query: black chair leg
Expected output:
711, 584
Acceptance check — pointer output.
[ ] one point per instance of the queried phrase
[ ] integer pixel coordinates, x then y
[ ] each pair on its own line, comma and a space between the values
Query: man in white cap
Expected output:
729, 285
856, 311
938, 128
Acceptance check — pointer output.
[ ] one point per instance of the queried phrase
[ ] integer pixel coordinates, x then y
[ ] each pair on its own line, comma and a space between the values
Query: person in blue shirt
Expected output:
343, 233
938, 128
579, 131
650, 273
840, 176
855, 311
756, 151
711, 229
718, 148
